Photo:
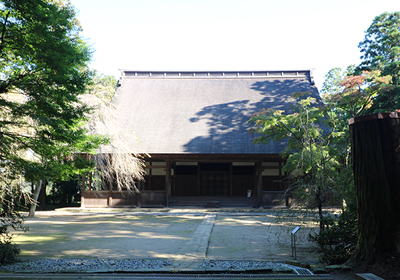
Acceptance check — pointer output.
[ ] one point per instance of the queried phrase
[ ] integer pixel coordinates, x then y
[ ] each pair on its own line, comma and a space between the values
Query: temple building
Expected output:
194, 125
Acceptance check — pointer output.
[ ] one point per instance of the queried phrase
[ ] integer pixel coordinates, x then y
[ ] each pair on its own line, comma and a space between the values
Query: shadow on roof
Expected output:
227, 122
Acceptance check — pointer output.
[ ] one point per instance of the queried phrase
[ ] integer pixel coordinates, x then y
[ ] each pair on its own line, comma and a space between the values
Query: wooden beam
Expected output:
270, 167
217, 157
155, 167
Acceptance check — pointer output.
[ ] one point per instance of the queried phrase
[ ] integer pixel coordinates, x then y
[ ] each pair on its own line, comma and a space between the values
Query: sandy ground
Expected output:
106, 236
161, 236
259, 238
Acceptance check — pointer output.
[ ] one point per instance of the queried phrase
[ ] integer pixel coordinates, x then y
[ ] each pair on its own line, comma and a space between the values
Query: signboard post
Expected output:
293, 240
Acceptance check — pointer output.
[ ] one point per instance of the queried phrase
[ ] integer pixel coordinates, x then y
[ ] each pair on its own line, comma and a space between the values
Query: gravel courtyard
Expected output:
143, 235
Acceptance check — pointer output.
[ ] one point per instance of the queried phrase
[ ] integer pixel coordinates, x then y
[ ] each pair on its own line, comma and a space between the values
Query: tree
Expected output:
358, 94
375, 145
318, 140
115, 162
333, 79
314, 151
376, 157
43, 63
355, 97
381, 51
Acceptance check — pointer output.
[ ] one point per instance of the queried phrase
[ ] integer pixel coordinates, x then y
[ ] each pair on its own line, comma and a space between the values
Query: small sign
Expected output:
293, 241
295, 230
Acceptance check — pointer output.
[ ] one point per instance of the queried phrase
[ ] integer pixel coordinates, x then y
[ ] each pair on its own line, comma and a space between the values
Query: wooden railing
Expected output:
105, 199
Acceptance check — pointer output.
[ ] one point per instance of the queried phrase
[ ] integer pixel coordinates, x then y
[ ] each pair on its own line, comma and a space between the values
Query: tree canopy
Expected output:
381, 51
43, 72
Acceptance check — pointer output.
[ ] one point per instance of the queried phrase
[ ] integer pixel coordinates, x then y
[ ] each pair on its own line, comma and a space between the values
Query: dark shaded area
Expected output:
65, 192
227, 122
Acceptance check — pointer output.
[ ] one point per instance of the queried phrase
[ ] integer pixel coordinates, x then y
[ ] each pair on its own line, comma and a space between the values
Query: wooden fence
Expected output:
107, 199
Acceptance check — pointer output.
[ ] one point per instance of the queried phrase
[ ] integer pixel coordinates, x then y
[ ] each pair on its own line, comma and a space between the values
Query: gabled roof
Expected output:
204, 112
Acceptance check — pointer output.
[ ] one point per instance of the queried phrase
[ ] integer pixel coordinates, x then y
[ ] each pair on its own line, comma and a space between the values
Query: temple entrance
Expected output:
214, 179
195, 183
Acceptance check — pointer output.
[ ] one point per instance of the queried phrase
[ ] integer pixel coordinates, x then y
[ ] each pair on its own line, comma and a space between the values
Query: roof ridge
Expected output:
220, 74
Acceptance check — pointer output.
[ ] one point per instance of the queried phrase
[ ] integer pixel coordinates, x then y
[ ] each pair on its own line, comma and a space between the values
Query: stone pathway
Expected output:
194, 252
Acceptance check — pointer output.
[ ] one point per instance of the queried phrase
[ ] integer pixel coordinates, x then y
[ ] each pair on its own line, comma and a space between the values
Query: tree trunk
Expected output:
42, 196
376, 163
35, 199
321, 218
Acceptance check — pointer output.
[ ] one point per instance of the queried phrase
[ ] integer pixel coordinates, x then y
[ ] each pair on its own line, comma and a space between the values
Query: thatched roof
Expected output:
204, 112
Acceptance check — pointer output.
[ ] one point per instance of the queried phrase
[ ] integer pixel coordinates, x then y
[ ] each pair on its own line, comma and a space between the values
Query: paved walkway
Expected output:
194, 251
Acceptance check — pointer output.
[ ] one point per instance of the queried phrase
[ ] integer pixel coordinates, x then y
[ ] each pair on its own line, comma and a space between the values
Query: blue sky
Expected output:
227, 34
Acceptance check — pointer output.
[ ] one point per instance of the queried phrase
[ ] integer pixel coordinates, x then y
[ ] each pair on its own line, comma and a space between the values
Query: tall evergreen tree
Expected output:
381, 51
44, 70
44, 63
375, 144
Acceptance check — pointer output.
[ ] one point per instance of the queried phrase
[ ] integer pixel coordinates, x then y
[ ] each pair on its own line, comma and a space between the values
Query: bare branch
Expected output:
115, 162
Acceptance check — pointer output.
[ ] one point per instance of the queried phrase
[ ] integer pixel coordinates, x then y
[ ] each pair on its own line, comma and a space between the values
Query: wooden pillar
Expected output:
109, 201
198, 179
109, 198
167, 183
138, 195
375, 141
90, 180
83, 191
173, 181
280, 175
259, 181
231, 179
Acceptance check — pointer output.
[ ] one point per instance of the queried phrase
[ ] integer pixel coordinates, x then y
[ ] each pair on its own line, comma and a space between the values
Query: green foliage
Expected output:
316, 151
44, 71
381, 51
102, 86
64, 192
358, 93
332, 82
8, 250
381, 45
338, 241
318, 146
10, 197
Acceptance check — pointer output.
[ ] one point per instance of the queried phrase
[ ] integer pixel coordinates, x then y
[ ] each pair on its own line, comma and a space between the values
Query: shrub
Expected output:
11, 198
8, 250
339, 239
